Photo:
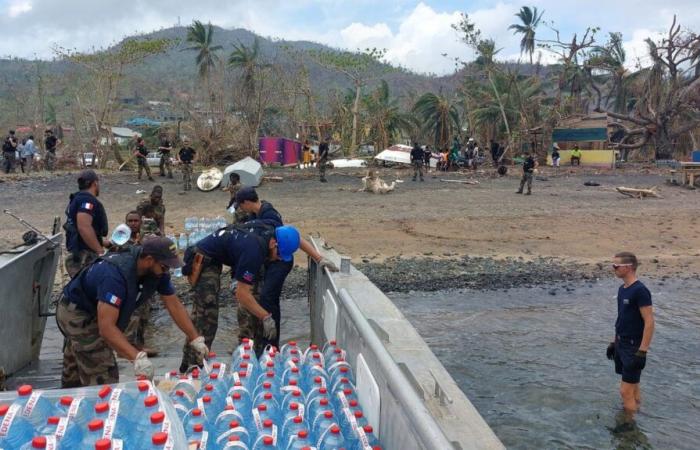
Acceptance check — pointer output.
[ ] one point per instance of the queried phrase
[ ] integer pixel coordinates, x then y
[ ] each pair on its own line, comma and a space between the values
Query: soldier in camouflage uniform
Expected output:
156, 200
186, 157
165, 164
96, 307
323, 156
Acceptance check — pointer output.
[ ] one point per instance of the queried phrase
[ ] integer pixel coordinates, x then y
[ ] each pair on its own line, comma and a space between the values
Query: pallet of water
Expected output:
292, 399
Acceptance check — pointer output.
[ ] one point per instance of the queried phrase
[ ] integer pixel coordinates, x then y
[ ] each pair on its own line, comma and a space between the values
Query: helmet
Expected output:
287, 242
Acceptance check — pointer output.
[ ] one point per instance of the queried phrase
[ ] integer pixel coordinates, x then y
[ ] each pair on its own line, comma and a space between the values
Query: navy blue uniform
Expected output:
629, 328
104, 282
236, 249
85, 202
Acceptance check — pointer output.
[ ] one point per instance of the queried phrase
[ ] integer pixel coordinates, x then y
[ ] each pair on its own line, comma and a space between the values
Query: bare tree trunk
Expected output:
355, 114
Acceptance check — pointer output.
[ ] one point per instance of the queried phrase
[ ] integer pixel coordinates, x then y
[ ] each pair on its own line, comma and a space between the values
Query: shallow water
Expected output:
534, 363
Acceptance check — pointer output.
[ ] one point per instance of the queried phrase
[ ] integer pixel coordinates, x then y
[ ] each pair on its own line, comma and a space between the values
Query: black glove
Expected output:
639, 360
610, 352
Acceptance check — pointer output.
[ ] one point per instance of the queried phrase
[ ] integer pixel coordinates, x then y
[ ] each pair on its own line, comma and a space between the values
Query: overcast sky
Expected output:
414, 33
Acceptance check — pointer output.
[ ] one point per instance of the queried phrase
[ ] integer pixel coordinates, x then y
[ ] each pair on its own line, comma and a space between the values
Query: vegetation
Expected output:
304, 90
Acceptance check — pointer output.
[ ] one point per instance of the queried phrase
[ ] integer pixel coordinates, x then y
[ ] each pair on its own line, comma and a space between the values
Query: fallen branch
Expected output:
460, 181
638, 193
273, 179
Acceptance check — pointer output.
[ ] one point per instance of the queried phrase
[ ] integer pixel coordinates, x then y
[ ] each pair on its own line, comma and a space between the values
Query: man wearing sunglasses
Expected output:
634, 329
98, 302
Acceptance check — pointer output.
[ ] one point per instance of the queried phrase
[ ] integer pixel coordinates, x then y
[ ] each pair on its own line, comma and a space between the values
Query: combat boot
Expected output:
519, 191
529, 192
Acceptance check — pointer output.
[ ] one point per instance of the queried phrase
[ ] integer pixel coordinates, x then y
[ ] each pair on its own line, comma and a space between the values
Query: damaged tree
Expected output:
669, 106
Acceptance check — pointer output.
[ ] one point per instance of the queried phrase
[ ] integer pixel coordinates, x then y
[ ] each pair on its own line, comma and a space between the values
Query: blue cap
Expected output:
287, 242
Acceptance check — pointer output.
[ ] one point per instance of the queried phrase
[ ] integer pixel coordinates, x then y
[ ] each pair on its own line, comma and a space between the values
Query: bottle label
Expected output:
31, 403
51, 442
111, 421
301, 410
337, 364
320, 371
256, 418
117, 444
290, 389
8, 419
166, 426
203, 441
323, 435
207, 367
200, 405
116, 393
248, 370
343, 399
274, 434
236, 377
222, 370
229, 401
61, 427
74, 406
364, 440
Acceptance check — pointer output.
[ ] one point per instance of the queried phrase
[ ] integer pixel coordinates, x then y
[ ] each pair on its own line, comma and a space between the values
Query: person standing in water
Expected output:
634, 329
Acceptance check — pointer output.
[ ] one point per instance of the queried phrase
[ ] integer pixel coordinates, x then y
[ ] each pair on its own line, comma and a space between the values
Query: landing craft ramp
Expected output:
409, 396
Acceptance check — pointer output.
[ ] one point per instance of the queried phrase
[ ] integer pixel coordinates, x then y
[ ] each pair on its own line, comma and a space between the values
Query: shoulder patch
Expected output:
88, 206
113, 299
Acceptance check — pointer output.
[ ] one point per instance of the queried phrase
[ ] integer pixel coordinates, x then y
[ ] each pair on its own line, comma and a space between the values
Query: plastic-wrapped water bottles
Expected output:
15, 430
35, 407
158, 440
366, 439
182, 241
291, 427
331, 439
265, 443
37, 442
193, 418
322, 421
94, 433
235, 428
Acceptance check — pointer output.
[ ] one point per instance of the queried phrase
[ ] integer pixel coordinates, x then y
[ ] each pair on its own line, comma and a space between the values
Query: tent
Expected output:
248, 169
401, 154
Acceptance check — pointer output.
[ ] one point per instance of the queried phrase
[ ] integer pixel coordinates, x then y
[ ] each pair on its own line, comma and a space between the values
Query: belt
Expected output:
629, 340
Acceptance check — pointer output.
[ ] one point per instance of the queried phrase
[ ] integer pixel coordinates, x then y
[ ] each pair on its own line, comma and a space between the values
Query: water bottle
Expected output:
182, 241
265, 443
19, 430
286, 349
343, 398
311, 360
228, 416
94, 433
342, 384
181, 403
233, 443
331, 439
292, 398
299, 441
339, 370
267, 377
262, 412
269, 428
196, 434
208, 407
242, 404
291, 427
331, 344
291, 373
115, 423
235, 428
35, 407
318, 404
246, 348
158, 440
156, 424
366, 439
37, 442
350, 423
252, 370
294, 409
331, 354
260, 391
193, 418
322, 421
189, 393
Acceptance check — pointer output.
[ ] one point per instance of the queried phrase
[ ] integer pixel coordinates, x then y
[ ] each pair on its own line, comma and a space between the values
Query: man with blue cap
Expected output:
269, 289
245, 249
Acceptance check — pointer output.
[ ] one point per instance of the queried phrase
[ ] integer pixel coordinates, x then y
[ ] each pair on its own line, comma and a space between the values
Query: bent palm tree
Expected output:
530, 20
246, 59
201, 38
386, 120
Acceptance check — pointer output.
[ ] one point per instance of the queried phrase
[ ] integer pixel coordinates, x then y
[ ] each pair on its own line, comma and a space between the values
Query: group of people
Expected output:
308, 157
23, 152
105, 305
185, 157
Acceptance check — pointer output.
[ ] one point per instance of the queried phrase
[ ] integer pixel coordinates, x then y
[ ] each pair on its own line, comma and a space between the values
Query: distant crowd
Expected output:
23, 152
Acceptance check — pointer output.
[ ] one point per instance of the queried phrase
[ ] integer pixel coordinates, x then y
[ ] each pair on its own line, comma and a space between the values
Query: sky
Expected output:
416, 34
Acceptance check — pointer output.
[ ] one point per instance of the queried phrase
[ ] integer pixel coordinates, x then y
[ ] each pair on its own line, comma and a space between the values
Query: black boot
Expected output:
519, 191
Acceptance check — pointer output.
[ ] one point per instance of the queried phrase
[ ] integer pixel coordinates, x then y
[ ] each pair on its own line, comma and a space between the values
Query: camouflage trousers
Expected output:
417, 169
165, 163
205, 311
187, 176
322, 169
50, 161
143, 165
527, 178
87, 359
136, 330
74, 262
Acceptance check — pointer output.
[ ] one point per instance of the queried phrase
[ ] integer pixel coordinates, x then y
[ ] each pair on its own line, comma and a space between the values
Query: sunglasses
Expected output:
617, 266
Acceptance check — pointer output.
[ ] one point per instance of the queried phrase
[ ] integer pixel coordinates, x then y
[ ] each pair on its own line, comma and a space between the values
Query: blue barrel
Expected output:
696, 156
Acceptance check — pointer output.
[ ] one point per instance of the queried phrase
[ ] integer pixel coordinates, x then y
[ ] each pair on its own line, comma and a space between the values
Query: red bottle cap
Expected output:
323, 390
103, 444
234, 438
24, 390
159, 438
298, 419
53, 420
335, 429
95, 424
368, 429
212, 355
267, 440
294, 406
101, 408
39, 442
104, 392
143, 386
216, 365
262, 407
292, 382
198, 427
323, 401
196, 412
157, 417
328, 414
180, 393
267, 385
206, 399
66, 400
268, 395
208, 388
236, 396
3, 409
150, 401
313, 347
233, 424
214, 376
303, 434
358, 414
267, 423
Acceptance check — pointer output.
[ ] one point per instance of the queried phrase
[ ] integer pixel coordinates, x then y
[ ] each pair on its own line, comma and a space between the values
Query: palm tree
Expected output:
385, 117
530, 20
246, 59
439, 116
201, 38
612, 58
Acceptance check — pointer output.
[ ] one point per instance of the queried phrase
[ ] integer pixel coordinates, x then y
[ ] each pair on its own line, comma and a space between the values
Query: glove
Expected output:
325, 262
200, 348
610, 352
639, 360
143, 367
269, 328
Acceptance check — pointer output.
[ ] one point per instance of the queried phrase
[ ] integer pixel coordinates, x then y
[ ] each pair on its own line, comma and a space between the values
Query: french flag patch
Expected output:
88, 206
113, 300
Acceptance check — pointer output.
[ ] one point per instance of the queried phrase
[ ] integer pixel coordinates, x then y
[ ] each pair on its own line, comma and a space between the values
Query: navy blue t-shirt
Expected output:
102, 282
629, 323
268, 215
238, 250
85, 202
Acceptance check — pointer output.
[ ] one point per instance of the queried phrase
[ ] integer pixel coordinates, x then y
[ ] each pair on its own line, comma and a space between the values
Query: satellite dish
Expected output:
121, 234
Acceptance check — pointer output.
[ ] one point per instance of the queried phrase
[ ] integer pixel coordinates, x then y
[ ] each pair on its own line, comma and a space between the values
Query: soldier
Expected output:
141, 153
50, 144
133, 220
417, 161
86, 224
96, 306
9, 148
244, 250
529, 166
323, 159
165, 163
186, 157
275, 272
156, 200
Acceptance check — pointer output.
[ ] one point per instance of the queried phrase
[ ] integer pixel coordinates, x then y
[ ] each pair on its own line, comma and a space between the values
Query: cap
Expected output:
88, 175
246, 194
162, 250
288, 240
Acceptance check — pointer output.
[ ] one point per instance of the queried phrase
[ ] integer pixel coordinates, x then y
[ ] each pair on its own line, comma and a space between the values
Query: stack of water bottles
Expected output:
125, 416
289, 399
195, 230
